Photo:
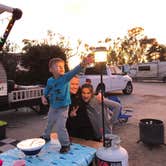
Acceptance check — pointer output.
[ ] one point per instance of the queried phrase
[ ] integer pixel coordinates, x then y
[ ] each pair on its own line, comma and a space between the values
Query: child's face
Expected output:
57, 69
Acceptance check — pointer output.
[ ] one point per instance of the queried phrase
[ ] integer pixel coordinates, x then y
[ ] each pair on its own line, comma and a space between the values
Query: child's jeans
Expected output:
58, 118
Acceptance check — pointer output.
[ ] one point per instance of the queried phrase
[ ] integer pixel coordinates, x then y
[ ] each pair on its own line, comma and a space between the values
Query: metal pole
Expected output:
102, 102
17, 13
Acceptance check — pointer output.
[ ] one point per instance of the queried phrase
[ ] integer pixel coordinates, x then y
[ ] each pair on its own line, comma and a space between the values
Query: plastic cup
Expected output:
54, 138
19, 163
1, 162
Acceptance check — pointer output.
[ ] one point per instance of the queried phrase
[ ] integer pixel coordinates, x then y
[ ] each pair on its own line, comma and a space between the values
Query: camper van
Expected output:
149, 71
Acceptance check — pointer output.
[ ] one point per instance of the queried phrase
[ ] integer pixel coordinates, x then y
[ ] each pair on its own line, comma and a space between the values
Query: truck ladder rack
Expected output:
22, 95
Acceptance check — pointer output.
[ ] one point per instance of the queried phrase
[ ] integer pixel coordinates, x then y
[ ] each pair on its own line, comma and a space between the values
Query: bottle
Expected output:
54, 139
1, 162
114, 155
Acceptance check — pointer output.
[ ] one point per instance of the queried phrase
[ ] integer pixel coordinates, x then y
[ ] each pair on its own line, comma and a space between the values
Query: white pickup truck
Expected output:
113, 79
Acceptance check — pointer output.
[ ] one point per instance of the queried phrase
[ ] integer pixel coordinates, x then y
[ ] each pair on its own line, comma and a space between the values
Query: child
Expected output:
57, 90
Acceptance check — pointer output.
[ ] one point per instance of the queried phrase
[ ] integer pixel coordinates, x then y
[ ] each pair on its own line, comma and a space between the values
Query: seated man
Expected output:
95, 112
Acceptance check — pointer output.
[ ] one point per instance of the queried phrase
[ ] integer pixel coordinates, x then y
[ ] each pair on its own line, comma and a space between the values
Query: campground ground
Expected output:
148, 100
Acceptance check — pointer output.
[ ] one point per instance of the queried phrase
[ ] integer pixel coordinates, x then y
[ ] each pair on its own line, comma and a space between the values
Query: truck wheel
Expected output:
99, 88
128, 89
164, 79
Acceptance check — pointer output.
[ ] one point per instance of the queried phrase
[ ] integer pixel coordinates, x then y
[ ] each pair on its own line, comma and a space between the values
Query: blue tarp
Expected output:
79, 155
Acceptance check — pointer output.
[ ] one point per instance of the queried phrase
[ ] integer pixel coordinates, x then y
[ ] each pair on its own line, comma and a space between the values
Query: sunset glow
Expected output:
89, 20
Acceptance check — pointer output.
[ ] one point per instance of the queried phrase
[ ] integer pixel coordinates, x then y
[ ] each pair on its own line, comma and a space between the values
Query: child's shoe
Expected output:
65, 149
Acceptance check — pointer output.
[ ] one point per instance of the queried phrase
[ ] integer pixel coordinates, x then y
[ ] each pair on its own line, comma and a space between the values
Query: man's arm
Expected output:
111, 103
108, 102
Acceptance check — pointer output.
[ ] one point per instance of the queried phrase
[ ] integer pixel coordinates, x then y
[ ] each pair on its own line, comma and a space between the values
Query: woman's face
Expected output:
86, 94
74, 85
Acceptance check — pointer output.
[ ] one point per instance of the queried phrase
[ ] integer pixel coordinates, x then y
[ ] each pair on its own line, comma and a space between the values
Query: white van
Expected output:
149, 71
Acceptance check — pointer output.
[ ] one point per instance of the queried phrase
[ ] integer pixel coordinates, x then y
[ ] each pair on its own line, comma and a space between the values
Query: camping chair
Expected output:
123, 116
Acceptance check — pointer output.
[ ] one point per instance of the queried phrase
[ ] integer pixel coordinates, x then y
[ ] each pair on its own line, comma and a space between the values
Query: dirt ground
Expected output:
148, 101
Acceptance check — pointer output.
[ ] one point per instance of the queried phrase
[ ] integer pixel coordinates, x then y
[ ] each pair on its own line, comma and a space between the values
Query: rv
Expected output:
13, 96
149, 71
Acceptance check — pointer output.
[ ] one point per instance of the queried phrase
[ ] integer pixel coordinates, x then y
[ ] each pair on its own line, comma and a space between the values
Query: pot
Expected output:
151, 131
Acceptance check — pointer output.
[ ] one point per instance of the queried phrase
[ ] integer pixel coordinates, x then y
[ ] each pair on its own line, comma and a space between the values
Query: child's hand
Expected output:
44, 100
87, 61
73, 113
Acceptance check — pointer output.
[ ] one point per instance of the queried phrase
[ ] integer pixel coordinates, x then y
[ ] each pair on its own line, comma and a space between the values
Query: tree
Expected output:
36, 61
10, 47
162, 56
8, 59
133, 48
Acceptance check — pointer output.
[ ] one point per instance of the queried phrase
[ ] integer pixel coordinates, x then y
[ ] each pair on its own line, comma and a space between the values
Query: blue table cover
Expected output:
79, 155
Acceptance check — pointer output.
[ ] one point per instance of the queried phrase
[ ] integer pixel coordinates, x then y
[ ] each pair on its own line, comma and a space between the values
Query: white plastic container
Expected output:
54, 139
112, 156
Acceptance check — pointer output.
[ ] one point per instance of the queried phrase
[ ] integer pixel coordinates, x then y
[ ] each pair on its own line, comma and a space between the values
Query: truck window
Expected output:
95, 71
112, 70
117, 70
144, 68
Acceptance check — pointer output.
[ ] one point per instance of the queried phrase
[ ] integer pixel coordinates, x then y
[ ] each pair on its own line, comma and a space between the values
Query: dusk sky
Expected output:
89, 20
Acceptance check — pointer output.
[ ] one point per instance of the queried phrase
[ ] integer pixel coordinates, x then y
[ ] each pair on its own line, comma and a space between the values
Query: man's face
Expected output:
57, 69
86, 94
74, 85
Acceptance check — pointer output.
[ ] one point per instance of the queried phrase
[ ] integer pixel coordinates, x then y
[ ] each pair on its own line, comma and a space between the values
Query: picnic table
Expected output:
79, 155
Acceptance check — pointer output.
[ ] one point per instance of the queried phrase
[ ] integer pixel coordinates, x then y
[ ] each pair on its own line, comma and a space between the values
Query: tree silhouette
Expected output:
36, 61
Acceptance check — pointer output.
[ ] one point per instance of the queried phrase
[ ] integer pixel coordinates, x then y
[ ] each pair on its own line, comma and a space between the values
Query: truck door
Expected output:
114, 84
